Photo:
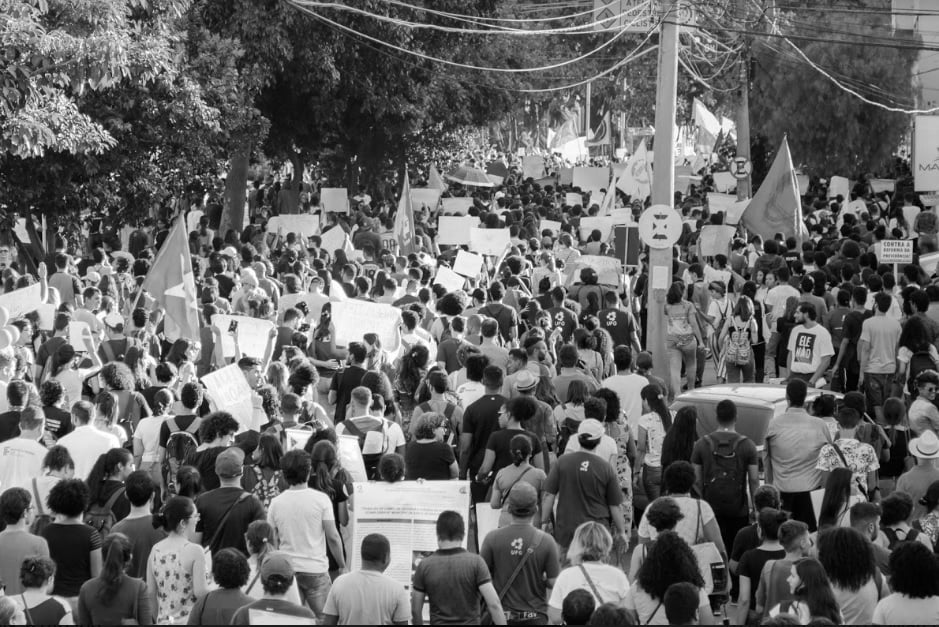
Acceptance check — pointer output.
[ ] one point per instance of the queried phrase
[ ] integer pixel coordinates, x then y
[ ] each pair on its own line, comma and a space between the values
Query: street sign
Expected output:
896, 251
660, 226
639, 16
741, 168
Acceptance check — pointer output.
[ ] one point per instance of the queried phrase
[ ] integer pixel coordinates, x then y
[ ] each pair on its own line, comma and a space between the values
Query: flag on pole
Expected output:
609, 200
565, 134
708, 127
172, 284
601, 137
777, 206
636, 180
404, 221
435, 180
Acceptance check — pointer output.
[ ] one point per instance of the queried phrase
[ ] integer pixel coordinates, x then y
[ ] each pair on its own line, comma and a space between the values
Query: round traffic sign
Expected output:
741, 167
660, 226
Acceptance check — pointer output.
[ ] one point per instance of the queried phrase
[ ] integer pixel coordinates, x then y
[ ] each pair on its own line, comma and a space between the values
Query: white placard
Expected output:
78, 335
305, 224
350, 457
605, 225
20, 302
253, 334
926, 153
532, 167
467, 264
552, 225
457, 206
455, 230
487, 519
928, 263
450, 280
46, 313
896, 251
335, 199
724, 182
621, 216
406, 513
592, 179
566, 176
230, 391
839, 185
880, 185
192, 220
334, 239
573, 198
354, 318
660, 277
489, 241
425, 197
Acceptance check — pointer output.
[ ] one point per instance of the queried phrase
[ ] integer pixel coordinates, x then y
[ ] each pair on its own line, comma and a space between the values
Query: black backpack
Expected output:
371, 460
893, 539
724, 479
179, 445
566, 431
102, 517
43, 516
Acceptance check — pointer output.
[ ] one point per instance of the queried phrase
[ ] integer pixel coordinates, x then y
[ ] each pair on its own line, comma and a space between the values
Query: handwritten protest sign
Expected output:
253, 334
532, 167
467, 264
604, 224
839, 185
450, 280
335, 239
305, 224
489, 241
425, 197
551, 225
20, 302
353, 318
592, 179
335, 199
572, 199
609, 269
455, 230
459, 206
622, 216
715, 240
230, 391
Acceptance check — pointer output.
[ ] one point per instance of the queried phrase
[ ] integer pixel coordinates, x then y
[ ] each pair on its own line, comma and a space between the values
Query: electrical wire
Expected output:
483, 18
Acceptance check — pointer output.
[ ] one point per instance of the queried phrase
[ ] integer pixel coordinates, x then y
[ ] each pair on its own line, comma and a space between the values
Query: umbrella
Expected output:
467, 175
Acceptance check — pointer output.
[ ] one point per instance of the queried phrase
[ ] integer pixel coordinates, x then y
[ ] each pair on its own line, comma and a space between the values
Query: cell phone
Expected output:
233, 327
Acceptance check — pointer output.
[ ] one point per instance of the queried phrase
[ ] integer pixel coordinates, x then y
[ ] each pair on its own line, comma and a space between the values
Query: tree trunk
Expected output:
236, 188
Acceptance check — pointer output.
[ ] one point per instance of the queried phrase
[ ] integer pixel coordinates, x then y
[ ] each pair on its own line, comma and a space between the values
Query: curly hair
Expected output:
68, 497
612, 403
669, 560
270, 401
426, 428
663, 514
847, 557
117, 376
915, 571
217, 424
230, 569
896, 508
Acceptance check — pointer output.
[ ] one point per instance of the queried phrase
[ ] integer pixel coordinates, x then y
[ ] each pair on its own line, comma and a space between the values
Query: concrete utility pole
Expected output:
663, 185
744, 187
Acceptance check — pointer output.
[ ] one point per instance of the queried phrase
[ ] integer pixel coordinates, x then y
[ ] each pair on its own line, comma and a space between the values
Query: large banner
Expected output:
926, 153
406, 513
354, 318
230, 391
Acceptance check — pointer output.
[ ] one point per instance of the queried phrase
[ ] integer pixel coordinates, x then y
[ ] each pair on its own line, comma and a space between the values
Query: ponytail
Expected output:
118, 551
652, 394
520, 447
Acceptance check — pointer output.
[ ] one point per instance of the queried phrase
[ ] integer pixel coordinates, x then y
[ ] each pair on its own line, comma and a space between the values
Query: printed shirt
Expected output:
808, 347
860, 456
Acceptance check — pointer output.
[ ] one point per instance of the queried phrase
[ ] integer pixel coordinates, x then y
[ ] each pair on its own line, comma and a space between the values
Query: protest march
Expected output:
283, 341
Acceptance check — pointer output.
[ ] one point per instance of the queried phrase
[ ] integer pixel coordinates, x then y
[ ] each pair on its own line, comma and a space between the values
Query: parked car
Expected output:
757, 404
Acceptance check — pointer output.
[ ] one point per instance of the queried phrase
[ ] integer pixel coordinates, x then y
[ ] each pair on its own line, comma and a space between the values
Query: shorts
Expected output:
876, 389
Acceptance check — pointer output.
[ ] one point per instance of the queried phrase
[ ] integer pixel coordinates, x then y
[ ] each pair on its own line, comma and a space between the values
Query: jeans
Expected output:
652, 481
313, 590
759, 363
770, 368
742, 373
678, 355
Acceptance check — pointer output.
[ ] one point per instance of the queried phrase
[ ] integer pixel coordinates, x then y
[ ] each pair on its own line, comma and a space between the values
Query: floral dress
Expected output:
929, 524
175, 592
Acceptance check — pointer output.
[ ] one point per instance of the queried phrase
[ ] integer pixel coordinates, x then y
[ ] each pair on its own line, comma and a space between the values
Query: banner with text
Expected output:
354, 318
253, 334
230, 391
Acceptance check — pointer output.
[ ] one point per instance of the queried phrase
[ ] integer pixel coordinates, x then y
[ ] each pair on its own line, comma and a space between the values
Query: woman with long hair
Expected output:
837, 500
261, 542
376, 358
264, 478
63, 366
589, 550
812, 596
571, 409
897, 428
410, 375
276, 376
669, 560
40, 607
848, 558
681, 436
682, 338
738, 335
655, 422
519, 470
113, 597
616, 426
106, 481
138, 360
329, 477
587, 354
117, 379
176, 574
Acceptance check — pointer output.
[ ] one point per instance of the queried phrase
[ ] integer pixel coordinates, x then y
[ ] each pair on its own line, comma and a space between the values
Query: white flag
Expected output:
637, 179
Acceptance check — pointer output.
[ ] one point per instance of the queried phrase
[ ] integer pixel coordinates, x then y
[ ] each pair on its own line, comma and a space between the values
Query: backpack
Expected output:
266, 489
371, 459
919, 361
448, 414
893, 540
43, 518
724, 488
101, 517
180, 444
739, 349
108, 348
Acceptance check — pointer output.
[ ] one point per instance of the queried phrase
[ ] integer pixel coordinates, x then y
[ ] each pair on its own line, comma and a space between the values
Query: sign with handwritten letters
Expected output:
489, 241
20, 302
455, 230
354, 318
253, 334
230, 391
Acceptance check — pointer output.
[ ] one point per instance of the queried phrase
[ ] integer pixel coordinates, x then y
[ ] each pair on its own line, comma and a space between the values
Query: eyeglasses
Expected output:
929, 390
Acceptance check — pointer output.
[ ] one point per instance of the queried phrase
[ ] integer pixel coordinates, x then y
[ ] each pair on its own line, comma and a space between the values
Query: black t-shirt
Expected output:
58, 421
746, 539
182, 421
121, 506
500, 442
70, 547
428, 460
506, 316
48, 348
9, 425
225, 285
343, 383
751, 565
212, 506
851, 331
204, 462
619, 324
564, 319
480, 419
149, 394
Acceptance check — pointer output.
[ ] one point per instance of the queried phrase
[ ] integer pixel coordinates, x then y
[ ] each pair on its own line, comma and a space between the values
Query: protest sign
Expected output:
20, 302
720, 202
622, 216
879, 185
803, 181
566, 176
336, 293
230, 391
192, 220
296, 438
839, 185
592, 179
455, 230
896, 251
305, 224
354, 318
350, 457
406, 513
425, 197
724, 182
80, 336
489, 241
467, 264
460, 206
928, 263
20, 229
602, 223
334, 239
551, 225
715, 240
46, 313
609, 269
532, 167
572, 199
253, 334
335, 199
450, 280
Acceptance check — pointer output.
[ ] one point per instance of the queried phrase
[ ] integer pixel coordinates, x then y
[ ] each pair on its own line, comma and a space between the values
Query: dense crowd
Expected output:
130, 494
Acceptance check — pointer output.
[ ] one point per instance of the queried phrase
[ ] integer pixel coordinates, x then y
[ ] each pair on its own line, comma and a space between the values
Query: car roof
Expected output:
744, 393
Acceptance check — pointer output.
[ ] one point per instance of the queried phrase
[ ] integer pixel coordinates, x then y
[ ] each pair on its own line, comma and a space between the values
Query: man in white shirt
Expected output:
368, 596
305, 524
810, 349
779, 291
21, 458
381, 435
86, 443
627, 386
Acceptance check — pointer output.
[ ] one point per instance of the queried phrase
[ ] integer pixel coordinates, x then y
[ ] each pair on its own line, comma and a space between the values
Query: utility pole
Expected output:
744, 188
663, 185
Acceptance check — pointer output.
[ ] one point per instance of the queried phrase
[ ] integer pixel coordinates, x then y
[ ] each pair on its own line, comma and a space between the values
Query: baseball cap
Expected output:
229, 251
525, 381
591, 428
230, 463
114, 320
522, 499
276, 563
92, 276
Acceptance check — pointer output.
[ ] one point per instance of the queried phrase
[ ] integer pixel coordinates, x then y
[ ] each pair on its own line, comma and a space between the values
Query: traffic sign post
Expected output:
741, 168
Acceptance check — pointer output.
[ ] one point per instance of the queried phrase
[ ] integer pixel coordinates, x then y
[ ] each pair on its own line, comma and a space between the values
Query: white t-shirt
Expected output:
85, 444
650, 610
627, 388
609, 581
148, 432
687, 527
899, 609
71, 381
368, 597
606, 450
384, 440
299, 517
20, 461
655, 436
808, 347
776, 298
